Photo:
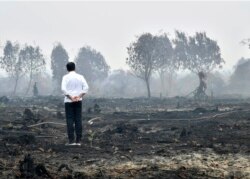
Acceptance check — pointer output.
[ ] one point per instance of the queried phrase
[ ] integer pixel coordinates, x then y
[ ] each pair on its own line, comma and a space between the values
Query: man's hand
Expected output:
75, 98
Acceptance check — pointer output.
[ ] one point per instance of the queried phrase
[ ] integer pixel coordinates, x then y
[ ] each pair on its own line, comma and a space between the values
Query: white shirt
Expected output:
73, 84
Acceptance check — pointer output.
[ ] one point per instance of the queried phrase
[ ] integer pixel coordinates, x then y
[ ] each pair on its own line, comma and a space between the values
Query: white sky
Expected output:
110, 27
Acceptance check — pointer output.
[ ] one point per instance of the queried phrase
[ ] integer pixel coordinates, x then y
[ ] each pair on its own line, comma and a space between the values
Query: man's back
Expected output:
73, 84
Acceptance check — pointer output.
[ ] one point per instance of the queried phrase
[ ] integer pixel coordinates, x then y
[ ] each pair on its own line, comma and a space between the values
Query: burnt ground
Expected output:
126, 138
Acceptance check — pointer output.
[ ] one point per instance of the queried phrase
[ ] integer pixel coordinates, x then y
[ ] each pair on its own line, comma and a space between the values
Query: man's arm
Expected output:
64, 89
85, 88
81, 95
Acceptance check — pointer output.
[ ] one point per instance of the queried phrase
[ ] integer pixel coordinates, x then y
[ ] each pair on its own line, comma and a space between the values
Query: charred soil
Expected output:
126, 138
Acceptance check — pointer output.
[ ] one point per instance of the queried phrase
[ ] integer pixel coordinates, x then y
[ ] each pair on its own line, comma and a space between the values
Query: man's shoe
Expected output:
70, 144
78, 143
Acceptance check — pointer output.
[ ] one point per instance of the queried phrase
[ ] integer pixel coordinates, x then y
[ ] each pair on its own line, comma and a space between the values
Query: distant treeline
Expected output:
154, 61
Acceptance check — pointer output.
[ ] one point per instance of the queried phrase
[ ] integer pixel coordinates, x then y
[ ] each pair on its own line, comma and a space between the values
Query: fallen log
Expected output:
220, 114
55, 123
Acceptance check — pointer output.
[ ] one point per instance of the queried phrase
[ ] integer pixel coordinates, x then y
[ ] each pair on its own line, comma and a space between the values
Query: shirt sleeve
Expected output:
63, 86
85, 86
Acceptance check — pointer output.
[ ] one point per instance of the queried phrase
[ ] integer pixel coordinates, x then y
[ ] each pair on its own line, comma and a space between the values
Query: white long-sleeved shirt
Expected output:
73, 84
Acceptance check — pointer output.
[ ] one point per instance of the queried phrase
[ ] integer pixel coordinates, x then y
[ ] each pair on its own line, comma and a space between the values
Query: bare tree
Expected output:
34, 62
198, 54
11, 63
143, 58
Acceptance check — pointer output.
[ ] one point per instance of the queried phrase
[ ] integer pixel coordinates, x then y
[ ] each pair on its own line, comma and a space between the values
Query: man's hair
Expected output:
71, 66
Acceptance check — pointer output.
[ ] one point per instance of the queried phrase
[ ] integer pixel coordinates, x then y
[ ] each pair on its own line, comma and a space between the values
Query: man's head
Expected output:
71, 66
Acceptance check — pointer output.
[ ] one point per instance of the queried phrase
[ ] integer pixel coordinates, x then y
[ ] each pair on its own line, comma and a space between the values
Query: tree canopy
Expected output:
59, 59
34, 61
148, 54
142, 58
197, 53
11, 63
91, 64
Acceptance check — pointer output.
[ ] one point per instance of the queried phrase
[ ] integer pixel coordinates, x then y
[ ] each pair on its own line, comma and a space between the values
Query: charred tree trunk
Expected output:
200, 92
202, 78
148, 87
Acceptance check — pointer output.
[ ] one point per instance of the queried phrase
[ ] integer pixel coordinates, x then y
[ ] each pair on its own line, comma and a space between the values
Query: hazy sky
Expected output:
110, 27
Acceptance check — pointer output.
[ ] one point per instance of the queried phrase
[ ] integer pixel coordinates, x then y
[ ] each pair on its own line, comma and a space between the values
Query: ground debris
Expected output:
193, 141
28, 169
29, 116
24, 139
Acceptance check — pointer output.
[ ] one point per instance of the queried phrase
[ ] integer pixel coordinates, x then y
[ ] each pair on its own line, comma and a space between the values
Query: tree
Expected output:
59, 59
34, 61
239, 81
166, 64
11, 63
143, 58
198, 54
92, 65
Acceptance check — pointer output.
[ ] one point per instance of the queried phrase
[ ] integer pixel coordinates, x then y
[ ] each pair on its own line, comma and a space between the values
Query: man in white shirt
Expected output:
74, 87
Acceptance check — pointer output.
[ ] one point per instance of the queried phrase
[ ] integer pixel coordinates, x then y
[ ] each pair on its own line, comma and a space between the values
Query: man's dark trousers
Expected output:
74, 120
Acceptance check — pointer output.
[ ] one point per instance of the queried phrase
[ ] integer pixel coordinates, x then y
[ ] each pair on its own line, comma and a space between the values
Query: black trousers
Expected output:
74, 120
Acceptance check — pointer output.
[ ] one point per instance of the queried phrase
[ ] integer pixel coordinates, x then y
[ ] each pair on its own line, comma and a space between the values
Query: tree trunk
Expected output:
202, 81
162, 82
148, 87
15, 87
201, 89
27, 91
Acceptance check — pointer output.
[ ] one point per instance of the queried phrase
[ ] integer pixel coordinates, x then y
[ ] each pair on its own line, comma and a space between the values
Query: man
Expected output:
74, 87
